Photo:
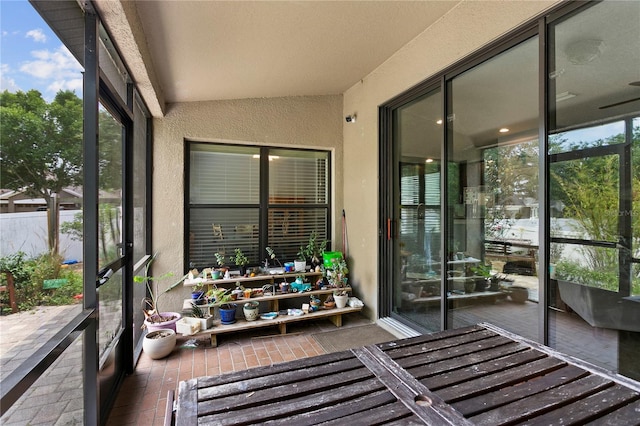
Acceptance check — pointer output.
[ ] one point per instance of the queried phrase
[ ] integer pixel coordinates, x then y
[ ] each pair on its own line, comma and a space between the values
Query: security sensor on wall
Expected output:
350, 118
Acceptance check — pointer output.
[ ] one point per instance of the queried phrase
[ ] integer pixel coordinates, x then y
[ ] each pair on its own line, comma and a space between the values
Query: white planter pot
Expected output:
341, 301
300, 265
206, 323
159, 343
251, 311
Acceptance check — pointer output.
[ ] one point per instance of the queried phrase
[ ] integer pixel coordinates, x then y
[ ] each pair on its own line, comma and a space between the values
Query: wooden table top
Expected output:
474, 375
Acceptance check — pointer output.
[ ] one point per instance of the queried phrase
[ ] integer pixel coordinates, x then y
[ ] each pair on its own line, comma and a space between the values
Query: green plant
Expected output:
302, 254
482, 270
239, 259
150, 306
219, 259
197, 311
217, 294
29, 276
272, 255
313, 250
337, 276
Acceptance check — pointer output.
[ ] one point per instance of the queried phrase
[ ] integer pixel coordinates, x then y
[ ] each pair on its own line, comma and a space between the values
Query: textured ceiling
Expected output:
211, 50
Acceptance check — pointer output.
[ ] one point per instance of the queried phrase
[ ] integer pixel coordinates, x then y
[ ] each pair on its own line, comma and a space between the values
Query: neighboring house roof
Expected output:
10, 195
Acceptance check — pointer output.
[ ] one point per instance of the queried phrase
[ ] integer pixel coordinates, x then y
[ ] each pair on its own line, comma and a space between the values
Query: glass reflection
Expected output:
593, 185
418, 261
492, 259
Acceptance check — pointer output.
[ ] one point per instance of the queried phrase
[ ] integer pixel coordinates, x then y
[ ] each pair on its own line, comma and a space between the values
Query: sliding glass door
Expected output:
594, 175
539, 181
418, 255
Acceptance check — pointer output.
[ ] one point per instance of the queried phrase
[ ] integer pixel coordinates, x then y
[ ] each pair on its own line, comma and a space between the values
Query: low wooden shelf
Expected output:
266, 278
281, 321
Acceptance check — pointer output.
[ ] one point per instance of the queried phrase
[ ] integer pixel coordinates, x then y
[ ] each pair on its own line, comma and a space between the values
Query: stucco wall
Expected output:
463, 30
305, 122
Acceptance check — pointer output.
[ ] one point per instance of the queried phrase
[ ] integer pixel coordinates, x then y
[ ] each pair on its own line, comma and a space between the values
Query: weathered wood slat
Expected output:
628, 415
187, 410
424, 347
525, 389
429, 338
308, 386
376, 416
477, 370
481, 349
271, 380
426, 405
588, 408
357, 405
500, 379
296, 405
426, 369
544, 402
477, 375
301, 364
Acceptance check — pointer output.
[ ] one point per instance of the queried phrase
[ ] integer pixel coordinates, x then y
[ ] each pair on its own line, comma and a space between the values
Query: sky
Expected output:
31, 56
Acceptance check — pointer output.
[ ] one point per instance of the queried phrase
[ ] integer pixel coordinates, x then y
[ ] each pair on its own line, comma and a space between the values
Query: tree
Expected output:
41, 147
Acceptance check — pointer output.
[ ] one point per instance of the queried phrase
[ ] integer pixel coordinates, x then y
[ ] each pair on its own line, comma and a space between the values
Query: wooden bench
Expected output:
510, 251
474, 375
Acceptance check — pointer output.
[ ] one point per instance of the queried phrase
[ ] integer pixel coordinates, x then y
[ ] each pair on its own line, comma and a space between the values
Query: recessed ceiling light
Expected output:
429, 160
439, 121
504, 130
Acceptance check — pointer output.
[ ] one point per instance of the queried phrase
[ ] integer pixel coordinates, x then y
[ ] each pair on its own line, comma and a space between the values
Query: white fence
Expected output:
27, 232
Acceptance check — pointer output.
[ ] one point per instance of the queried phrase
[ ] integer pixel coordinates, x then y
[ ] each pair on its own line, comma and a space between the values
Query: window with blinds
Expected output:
419, 204
229, 199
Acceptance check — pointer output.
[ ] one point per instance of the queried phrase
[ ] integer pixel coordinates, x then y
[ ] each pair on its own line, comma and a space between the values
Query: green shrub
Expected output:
29, 276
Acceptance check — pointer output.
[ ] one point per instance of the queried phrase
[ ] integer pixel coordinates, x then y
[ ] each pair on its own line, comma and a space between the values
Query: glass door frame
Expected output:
389, 219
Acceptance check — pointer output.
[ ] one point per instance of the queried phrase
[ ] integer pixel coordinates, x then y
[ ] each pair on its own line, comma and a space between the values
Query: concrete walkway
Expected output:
56, 398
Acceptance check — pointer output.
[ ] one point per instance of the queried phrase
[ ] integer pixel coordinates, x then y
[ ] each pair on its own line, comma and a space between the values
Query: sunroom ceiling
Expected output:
212, 50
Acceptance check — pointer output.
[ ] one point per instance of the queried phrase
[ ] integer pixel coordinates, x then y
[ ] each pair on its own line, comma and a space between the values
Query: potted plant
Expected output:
315, 249
206, 320
337, 277
329, 302
300, 262
314, 303
484, 276
272, 256
240, 261
197, 294
226, 308
159, 343
251, 311
217, 273
154, 318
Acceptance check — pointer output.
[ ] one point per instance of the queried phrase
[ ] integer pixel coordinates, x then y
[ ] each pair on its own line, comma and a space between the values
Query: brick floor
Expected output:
142, 398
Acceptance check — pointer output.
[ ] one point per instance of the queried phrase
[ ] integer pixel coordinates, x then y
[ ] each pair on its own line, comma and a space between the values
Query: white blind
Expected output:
224, 201
298, 177
224, 177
